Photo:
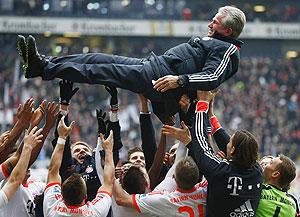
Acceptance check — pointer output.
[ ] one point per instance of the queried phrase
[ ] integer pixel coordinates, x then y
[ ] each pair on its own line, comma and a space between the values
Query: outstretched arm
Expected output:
24, 115
147, 132
155, 169
221, 137
66, 93
169, 184
121, 196
56, 159
109, 168
206, 160
3, 138
31, 139
113, 123
51, 115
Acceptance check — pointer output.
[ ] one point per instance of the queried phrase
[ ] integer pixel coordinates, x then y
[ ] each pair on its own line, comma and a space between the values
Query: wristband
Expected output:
145, 113
114, 108
202, 106
64, 102
63, 112
215, 124
114, 116
61, 141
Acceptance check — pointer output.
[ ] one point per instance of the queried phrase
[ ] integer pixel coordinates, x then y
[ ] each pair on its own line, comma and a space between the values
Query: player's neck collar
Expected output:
186, 191
231, 40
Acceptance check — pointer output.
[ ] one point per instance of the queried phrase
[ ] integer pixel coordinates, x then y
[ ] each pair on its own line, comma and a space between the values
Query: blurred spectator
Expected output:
267, 11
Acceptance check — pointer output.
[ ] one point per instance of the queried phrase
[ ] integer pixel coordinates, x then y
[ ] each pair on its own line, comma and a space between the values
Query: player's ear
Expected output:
229, 31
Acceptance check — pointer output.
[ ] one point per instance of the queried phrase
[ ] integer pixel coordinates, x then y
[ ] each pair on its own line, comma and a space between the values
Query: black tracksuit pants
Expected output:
122, 72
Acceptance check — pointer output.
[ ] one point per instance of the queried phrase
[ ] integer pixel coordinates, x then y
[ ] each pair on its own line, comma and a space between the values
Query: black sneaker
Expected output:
22, 50
36, 62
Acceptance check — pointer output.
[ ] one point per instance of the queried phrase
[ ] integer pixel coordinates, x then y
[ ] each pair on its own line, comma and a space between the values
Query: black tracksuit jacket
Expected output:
232, 189
202, 63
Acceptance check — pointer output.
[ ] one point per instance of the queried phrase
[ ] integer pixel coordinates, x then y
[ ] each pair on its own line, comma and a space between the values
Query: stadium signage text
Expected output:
160, 28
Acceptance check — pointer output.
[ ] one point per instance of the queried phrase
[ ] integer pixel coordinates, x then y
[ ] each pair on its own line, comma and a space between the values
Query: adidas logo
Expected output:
244, 210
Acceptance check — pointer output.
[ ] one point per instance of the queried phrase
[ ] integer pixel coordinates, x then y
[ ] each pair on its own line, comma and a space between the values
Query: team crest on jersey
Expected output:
56, 189
142, 195
89, 169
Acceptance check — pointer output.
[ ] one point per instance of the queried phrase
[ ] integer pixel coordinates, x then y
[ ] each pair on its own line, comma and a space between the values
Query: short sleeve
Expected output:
51, 197
3, 173
3, 199
101, 204
153, 203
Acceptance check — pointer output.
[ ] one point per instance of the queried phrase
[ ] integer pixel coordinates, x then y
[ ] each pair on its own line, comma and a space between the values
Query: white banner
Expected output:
85, 26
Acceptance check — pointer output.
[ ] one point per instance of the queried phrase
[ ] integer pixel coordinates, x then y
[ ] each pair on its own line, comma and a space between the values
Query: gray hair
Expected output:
233, 18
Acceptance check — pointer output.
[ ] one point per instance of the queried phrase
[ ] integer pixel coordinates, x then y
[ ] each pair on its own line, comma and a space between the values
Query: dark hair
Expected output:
38, 201
245, 148
134, 181
74, 190
133, 150
287, 171
125, 162
186, 174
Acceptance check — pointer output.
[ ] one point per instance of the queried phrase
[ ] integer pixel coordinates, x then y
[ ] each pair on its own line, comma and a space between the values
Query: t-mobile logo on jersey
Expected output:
235, 183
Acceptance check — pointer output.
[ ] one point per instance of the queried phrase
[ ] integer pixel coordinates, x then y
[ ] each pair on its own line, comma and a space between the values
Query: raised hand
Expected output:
51, 114
107, 144
3, 138
182, 134
119, 172
25, 112
206, 95
184, 103
66, 91
38, 114
19, 110
63, 130
170, 120
113, 93
211, 103
101, 121
33, 137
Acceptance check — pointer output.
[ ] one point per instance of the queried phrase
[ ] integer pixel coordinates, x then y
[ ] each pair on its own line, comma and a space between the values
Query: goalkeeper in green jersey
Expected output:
274, 199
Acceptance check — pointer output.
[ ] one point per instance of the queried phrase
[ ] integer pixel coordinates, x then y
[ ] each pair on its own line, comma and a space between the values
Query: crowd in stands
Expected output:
267, 91
275, 11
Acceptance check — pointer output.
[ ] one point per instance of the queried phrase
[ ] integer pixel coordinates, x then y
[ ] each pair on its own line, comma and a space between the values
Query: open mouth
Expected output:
81, 157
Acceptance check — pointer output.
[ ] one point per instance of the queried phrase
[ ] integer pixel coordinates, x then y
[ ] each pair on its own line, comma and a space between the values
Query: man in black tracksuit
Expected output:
199, 64
235, 183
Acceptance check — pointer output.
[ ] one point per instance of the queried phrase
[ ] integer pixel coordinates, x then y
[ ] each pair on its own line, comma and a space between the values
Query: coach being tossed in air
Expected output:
199, 64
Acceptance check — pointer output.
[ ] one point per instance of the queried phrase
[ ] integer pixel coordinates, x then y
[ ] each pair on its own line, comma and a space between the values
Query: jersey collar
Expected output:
186, 191
231, 40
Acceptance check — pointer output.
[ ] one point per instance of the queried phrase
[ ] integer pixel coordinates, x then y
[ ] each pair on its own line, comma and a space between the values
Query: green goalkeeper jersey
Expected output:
275, 203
